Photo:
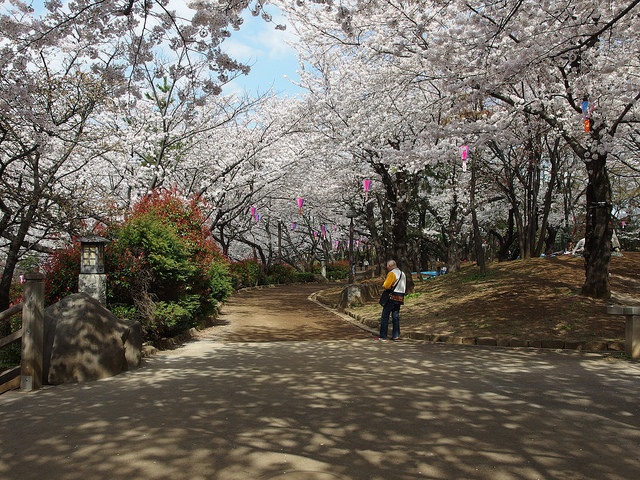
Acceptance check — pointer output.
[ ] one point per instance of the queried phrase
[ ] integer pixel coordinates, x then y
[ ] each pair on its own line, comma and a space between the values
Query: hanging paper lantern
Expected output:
586, 115
324, 231
464, 154
294, 225
366, 184
258, 217
253, 211
300, 204
315, 234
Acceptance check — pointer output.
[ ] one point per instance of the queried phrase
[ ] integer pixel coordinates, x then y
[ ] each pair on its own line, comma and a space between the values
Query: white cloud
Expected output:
258, 39
277, 43
241, 50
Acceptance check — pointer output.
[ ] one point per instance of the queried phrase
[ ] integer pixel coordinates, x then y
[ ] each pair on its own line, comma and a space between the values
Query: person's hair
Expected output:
392, 263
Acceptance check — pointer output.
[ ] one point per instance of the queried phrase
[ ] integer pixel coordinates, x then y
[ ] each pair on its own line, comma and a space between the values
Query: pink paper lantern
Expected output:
464, 154
366, 184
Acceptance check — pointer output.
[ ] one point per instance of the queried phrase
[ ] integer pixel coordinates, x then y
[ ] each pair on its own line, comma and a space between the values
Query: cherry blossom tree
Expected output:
103, 101
383, 123
358, 134
43, 149
570, 64
566, 68
63, 65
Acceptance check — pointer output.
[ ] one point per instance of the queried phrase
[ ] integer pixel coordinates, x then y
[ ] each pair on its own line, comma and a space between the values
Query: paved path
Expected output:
340, 409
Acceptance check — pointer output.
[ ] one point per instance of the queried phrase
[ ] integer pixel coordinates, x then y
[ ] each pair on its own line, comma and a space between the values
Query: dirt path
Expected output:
280, 313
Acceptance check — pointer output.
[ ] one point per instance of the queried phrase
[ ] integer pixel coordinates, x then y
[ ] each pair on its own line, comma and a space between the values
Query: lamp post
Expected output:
351, 214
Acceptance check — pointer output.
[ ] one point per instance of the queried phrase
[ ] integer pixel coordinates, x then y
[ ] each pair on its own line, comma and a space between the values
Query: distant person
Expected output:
395, 284
615, 243
579, 248
569, 249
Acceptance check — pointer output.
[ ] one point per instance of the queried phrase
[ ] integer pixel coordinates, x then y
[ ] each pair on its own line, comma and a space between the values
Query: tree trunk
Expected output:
13, 255
597, 248
548, 200
398, 189
374, 236
221, 239
453, 248
400, 237
387, 233
477, 238
522, 244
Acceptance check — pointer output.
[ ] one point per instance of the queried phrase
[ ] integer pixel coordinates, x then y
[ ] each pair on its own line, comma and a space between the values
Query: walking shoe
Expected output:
396, 339
380, 339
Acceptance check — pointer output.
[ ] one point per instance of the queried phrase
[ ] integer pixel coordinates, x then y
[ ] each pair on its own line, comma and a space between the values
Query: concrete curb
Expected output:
608, 346
347, 316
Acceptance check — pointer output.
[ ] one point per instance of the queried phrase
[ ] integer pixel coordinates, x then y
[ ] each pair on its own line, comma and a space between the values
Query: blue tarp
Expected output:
426, 275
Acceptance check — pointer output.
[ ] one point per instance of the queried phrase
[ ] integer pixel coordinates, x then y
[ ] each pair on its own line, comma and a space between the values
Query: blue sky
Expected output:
258, 44
273, 62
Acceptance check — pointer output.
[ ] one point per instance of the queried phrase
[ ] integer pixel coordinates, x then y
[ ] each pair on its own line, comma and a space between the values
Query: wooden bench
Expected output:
632, 327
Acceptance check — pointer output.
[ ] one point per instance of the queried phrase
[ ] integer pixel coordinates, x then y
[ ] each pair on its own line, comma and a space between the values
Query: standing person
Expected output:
396, 284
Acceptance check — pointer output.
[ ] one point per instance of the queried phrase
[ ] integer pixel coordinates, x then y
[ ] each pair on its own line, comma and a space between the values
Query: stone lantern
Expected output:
92, 279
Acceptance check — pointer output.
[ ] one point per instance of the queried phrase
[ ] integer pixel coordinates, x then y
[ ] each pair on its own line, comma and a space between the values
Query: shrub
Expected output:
282, 274
305, 277
61, 271
149, 255
171, 270
220, 286
10, 354
338, 270
246, 273
171, 318
163, 267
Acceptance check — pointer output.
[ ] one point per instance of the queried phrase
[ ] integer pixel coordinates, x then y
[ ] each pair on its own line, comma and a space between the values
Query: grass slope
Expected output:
525, 299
